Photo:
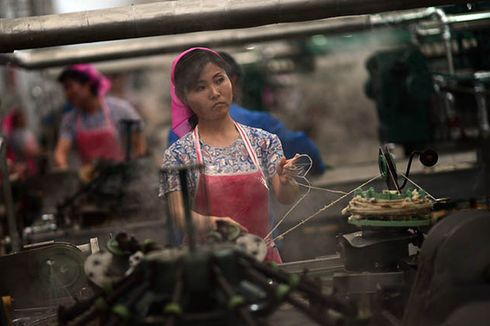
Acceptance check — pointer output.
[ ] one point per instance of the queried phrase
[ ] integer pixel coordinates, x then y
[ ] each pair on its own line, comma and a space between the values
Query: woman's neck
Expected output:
92, 105
218, 133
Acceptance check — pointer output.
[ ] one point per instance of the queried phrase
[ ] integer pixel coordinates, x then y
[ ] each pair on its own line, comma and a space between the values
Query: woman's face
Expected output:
76, 93
212, 95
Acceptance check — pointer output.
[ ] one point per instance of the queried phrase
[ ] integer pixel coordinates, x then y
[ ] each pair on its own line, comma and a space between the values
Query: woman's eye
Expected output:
220, 80
199, 88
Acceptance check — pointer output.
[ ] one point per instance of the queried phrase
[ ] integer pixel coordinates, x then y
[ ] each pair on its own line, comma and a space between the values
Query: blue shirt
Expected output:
292, 141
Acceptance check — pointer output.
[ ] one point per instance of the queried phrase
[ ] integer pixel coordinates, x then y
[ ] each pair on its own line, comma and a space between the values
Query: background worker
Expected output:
23, 148
96, 125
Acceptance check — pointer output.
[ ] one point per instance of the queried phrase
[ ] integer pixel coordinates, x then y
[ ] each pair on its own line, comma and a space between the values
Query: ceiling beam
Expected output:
176, 17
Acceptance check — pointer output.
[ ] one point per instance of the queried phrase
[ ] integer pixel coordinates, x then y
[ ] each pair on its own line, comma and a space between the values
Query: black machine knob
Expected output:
428, 157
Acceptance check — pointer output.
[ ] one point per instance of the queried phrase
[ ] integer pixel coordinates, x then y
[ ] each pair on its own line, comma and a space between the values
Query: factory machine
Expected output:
402, 267
74, 206
403, 264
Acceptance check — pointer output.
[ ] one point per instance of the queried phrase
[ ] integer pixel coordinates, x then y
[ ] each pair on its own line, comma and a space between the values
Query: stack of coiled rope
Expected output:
389, 205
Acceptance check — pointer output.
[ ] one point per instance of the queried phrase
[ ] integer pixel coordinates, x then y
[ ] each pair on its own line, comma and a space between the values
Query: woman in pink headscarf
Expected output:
242, 164
22, 146
95, 124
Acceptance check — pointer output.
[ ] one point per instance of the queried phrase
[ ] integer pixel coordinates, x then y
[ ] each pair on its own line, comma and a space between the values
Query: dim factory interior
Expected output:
273, 162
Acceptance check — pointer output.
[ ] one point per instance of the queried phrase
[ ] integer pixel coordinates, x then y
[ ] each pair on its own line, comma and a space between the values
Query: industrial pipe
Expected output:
446, 36
175, 17
445, 23
169, 44
462, 22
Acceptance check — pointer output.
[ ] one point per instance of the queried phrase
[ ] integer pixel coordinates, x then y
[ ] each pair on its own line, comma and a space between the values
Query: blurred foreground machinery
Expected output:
214, 284
220, 282
452, 285
391, 272
395, 270
37, 279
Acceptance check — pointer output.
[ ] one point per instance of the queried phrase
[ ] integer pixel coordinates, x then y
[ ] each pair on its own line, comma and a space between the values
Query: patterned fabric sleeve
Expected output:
67, 127
268, 148
274, 155
169, 180
180, 153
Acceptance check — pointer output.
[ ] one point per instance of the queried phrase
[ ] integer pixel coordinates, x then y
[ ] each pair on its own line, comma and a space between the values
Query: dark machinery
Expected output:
389, 220
376, 281
40, 277
213, 285
376, 258
108, 188
219, 283
99, 196
452, 285
380, 281
445, 283
401, 85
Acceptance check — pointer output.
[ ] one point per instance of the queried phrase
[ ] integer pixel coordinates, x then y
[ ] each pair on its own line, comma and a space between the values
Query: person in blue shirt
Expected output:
292, 141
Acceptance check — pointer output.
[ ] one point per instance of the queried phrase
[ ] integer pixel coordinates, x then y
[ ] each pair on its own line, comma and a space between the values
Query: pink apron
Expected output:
98, 143
241, 196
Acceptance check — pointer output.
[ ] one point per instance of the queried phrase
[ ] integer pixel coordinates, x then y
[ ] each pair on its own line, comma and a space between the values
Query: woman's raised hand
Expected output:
286, 167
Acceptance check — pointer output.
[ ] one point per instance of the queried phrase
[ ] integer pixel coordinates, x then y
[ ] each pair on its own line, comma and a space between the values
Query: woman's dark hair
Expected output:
188, 70
235, 69
79, 77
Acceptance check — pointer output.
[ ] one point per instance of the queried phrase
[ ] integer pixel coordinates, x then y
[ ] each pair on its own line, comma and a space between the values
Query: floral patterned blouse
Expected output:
233, 159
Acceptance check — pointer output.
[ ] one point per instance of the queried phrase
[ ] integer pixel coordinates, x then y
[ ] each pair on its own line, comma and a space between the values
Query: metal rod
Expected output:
461, 22
482, 113
271, 289
171, 44
128, 126
446, 36
129, 303
8, 199
189, 225
177, 294
306, 287
174, 17
320, 319
120, 289
228, 290
134, 48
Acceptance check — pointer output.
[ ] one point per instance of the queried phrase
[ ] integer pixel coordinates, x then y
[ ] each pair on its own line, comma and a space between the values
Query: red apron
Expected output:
241, 196
98, 143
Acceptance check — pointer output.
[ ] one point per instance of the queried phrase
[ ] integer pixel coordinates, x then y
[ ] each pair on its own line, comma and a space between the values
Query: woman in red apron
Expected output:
98, 143
85, 88
233, 186
22, 147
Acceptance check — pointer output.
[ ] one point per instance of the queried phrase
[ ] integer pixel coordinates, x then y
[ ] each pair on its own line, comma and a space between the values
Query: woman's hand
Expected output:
285, 169
201, 222
214, 220
86, 173
285, 189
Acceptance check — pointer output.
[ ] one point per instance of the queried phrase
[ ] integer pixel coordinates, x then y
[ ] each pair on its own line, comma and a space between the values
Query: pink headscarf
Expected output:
95, 77
181, 112
8, 122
